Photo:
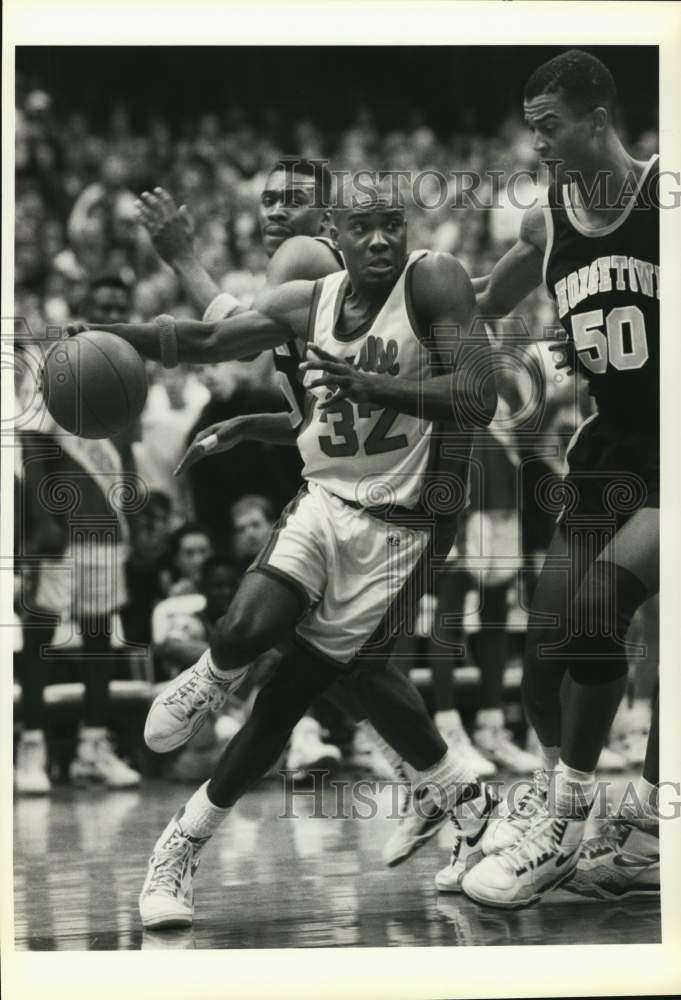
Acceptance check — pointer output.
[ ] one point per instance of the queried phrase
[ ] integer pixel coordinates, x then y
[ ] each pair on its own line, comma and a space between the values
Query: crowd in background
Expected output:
77, 180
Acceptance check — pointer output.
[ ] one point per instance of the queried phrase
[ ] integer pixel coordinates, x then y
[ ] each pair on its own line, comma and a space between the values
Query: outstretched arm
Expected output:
459, 392
281, 314
271, 428
518, 272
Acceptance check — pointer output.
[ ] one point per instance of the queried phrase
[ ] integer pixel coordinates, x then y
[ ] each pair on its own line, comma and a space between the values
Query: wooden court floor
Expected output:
268, 880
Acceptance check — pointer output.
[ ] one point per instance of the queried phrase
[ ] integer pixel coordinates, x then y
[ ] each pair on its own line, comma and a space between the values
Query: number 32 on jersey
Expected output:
620, 340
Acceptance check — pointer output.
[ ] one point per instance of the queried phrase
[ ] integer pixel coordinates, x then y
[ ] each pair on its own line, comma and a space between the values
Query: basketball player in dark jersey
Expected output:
292, 217
595, 245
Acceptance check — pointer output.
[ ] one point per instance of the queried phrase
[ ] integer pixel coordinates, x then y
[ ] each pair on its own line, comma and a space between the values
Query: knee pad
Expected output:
598, 622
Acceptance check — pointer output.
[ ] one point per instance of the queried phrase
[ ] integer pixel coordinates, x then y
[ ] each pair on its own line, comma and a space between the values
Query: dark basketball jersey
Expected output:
606, 285
287, 358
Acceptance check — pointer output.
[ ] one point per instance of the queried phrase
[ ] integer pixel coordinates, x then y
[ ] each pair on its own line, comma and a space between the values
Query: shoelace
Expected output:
609, 838
198, 698
170, 865
541, 839
530, 802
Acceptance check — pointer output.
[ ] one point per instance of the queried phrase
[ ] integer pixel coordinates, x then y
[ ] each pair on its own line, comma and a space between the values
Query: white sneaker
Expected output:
621, 863
498, 746
167, 897
420, 820
96, 762
450, 725
307, 751
30, 772
610, 760
542, 860
470, 821
513, 823
184, 704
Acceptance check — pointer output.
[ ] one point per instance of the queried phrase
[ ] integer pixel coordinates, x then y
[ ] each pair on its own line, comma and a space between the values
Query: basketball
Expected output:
94, 384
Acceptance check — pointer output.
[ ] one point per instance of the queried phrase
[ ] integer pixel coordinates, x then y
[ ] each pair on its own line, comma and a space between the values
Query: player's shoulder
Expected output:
533, 224
437, 270
301, 257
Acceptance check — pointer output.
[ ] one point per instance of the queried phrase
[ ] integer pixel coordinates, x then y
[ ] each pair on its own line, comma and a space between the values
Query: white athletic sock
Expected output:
398, 764
446, 779
220, 675
200, 817
574, 791
33, 735
489, 718
549, 757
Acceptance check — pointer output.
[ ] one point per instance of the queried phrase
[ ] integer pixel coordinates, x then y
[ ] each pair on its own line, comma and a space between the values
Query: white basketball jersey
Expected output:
361, 452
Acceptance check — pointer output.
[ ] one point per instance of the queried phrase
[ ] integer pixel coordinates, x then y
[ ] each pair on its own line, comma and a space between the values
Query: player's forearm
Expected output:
229, 339
456, 399
195, 280
270, 428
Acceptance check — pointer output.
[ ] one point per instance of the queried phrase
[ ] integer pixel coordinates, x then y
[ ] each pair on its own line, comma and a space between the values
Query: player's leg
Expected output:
610, 590
167, 896
95, 759
262, 614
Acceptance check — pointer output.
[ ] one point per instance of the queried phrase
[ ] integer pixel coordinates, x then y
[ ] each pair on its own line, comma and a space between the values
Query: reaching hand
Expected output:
73, 329
171, 228
339, 376
210, 441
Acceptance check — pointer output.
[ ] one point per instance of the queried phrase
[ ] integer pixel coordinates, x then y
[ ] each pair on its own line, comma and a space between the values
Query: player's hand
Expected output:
339, 376
171, 228
73, 329
563, 352
211, 441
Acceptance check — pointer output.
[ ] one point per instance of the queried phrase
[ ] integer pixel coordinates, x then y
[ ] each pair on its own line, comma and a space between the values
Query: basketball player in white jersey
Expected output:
294, 210
394, 362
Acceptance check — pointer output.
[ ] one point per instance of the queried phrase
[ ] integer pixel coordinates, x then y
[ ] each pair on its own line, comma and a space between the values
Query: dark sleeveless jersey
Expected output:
606, 285
287, 357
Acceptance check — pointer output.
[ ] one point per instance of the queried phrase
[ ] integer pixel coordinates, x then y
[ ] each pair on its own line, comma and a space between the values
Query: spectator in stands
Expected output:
191, 546
252, 518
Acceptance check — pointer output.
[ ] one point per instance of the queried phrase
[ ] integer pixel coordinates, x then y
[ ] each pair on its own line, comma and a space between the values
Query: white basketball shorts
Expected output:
358, 577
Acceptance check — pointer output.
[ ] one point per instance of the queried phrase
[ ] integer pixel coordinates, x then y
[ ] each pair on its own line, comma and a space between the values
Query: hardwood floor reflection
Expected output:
267, 881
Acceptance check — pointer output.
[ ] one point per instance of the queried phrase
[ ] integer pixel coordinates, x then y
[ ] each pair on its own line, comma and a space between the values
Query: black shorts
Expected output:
613, 470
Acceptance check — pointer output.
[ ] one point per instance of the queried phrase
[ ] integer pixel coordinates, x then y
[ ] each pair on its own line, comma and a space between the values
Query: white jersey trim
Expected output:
606, 230
548, 222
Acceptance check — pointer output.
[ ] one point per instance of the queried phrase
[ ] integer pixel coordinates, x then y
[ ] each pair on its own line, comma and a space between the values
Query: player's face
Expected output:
109, 305
193, 551
560, 133
289, 207
251, 531
374, 244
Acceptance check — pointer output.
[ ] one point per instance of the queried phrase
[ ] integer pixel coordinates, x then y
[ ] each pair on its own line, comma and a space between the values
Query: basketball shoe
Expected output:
420, 819
544, 858
497, 745
623, 861
185, 703
30, 773
167, 897
470, 820
512, 823
97, 763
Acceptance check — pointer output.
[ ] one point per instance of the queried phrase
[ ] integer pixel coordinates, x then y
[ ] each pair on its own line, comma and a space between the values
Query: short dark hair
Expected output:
109, 281
317, 169
189, 528
584, 80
